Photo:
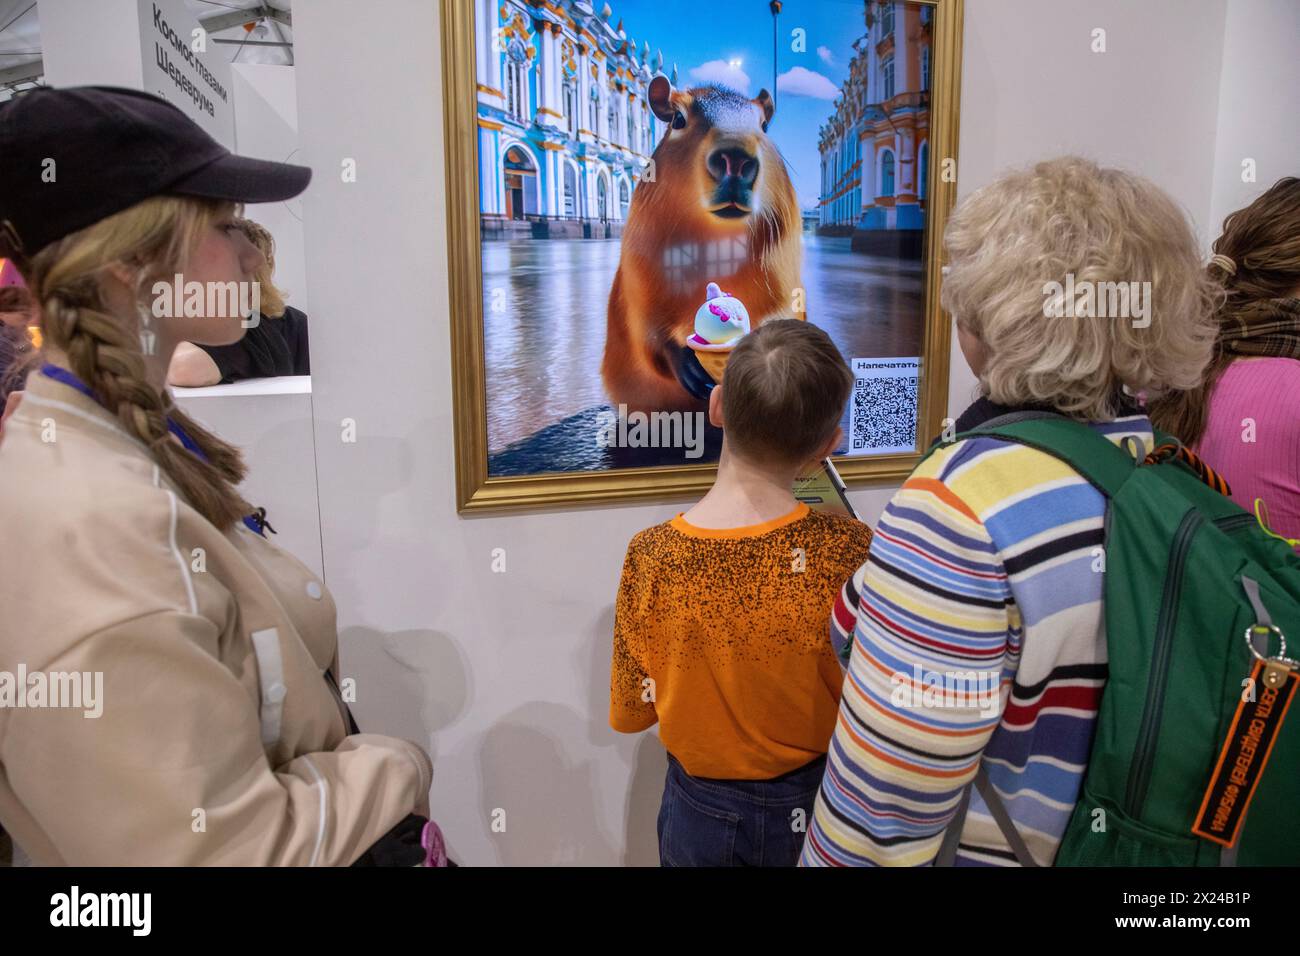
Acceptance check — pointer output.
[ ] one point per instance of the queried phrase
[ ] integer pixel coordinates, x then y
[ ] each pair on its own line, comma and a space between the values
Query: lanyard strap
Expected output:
254, 522
67, 378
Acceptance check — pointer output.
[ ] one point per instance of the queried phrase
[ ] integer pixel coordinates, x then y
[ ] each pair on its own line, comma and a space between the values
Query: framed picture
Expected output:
609, 171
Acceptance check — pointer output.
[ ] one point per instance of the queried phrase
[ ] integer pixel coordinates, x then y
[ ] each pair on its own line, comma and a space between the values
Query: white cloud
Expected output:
721, 73
827, 56
803, 82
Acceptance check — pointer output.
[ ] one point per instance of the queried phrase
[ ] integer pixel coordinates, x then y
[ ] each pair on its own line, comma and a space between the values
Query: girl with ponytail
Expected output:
197, 718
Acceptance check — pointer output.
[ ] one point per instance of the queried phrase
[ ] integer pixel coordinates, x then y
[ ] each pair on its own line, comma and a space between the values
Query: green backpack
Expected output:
1190, 738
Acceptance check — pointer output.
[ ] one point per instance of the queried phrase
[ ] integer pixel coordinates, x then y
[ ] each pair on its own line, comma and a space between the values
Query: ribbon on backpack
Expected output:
1193, 461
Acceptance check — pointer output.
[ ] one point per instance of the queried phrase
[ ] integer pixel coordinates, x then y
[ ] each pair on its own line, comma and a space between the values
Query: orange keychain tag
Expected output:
1245, 753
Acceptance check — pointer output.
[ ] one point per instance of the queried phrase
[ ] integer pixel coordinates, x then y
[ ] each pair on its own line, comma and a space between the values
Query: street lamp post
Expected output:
775, 7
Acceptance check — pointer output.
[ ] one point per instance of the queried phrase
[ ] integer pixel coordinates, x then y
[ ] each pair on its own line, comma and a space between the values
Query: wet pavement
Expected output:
544, 335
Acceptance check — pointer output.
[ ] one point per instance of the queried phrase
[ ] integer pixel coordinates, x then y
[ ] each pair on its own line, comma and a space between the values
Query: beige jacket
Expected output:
219, 741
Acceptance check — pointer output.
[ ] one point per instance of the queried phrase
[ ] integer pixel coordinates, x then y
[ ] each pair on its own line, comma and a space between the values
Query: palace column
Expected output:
602, 104
902, 50
584, 89
492, 190
553, 186
487, 59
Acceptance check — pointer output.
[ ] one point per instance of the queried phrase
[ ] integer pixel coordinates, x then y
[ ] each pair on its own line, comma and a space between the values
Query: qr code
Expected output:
883, 414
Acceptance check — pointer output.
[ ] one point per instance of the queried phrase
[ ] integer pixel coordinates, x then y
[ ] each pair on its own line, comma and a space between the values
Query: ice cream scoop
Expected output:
721, 320
720, 323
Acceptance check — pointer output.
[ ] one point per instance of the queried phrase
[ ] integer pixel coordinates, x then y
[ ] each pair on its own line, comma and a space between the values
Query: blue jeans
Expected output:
705, 822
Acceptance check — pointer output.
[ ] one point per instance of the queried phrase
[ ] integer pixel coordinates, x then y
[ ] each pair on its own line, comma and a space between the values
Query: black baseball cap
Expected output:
112, 148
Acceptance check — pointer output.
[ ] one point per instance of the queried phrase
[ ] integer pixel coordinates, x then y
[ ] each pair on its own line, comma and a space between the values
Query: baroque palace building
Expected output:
875, 147
563, 122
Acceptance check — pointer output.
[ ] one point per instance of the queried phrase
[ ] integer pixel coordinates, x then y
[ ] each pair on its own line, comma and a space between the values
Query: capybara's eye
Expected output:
679, 120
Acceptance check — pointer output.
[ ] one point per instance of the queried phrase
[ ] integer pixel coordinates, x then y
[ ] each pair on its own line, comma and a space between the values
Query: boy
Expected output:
722, 617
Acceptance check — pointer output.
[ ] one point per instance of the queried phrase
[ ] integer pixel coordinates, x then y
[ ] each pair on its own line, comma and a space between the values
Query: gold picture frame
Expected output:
475, 490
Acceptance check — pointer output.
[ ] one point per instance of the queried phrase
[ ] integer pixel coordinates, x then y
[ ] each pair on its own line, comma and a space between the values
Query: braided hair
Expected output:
106, 350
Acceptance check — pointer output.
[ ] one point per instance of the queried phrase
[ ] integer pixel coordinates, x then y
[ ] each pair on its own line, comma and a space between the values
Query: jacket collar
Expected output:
72, 410
41, 393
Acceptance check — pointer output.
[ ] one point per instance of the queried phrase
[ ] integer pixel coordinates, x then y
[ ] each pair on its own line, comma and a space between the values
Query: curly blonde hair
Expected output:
1068, 217
271, 296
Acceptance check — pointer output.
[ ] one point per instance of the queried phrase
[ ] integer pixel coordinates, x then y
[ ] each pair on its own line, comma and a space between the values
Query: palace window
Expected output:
887, 173
570, 191
571, 108
516, 102
925, 68
886, 79
886, 20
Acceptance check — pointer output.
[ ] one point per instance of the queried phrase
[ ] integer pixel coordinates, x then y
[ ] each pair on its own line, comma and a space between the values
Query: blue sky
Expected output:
705, 40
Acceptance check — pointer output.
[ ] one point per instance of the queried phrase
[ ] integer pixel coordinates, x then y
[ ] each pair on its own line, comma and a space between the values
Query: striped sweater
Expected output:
984, 572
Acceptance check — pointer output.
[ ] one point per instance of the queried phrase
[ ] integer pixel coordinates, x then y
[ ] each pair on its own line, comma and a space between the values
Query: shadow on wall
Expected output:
420, 674
409, 684
416, 683
643, 751
541, 804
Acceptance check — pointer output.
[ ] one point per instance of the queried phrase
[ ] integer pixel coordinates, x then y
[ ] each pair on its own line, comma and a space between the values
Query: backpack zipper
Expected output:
1140, 773
1230, 522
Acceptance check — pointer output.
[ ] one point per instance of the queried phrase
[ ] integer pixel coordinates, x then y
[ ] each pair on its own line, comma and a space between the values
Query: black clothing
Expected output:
270, 348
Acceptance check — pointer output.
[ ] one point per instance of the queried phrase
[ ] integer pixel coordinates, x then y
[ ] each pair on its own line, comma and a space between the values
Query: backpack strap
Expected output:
997, 809
1003, 818
952, 836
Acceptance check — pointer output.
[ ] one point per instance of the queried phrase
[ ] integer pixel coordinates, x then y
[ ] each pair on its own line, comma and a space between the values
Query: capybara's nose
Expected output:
733, 161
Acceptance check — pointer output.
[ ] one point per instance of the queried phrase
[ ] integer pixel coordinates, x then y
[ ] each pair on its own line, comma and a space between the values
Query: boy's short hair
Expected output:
784, 391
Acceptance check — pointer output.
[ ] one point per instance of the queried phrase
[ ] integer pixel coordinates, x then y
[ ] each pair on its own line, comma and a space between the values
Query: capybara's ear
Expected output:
660, 96
764, 102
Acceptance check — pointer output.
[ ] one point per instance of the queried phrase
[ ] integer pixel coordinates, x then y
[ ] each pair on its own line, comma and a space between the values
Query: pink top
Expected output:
1263, 461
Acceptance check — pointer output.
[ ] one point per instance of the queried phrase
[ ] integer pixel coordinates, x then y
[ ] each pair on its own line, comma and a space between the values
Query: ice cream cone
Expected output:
712, 359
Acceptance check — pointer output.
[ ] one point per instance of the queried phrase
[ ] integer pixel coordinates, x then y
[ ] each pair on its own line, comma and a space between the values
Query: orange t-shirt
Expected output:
723, 637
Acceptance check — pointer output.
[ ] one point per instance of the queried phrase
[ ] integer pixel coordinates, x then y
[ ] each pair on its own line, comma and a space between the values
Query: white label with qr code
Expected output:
882, 409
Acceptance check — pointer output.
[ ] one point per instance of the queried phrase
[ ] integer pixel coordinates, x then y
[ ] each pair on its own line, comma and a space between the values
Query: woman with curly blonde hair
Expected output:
1074, 288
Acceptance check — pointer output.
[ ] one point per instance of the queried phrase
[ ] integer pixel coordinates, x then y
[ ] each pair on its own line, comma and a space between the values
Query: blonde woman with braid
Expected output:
208, 729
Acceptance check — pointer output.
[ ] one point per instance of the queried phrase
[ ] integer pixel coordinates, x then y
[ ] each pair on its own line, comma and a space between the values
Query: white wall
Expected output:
266, 127
1257, 103
271, 422
91, 43
504, 677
